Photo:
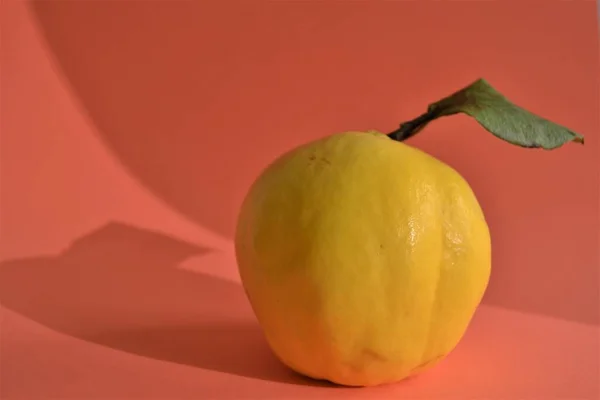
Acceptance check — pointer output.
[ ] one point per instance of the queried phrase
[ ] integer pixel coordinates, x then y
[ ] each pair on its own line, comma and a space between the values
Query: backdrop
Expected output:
131, 131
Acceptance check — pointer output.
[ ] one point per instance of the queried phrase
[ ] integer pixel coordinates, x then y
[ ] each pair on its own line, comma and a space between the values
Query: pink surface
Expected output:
117, 277
506, 355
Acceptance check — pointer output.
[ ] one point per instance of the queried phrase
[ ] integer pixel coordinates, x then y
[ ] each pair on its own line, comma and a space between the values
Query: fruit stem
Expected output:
410, 128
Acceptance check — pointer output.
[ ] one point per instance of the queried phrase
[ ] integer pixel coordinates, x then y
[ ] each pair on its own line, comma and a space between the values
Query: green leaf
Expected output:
496, 114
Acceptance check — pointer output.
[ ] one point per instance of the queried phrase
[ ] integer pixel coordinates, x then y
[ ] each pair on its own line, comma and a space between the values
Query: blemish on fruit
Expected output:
372, 355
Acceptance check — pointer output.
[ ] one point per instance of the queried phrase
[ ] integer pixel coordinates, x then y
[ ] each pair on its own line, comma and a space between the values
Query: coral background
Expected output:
131, 130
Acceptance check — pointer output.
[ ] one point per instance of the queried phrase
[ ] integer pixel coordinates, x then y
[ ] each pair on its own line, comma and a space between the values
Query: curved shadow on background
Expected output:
192, 107
119, 287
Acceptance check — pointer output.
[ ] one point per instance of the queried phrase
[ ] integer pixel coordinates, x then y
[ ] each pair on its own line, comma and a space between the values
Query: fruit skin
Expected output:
364, 259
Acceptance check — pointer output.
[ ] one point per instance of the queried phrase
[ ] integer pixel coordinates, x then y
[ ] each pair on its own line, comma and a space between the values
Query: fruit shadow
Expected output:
120, 287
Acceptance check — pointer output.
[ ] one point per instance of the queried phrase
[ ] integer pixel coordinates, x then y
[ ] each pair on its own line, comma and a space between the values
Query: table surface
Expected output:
82, 325
107, 292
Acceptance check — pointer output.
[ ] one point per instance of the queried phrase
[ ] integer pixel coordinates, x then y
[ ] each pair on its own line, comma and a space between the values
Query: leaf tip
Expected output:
481, 82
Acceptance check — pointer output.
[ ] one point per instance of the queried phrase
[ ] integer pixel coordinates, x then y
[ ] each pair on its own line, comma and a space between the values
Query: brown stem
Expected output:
412, 127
